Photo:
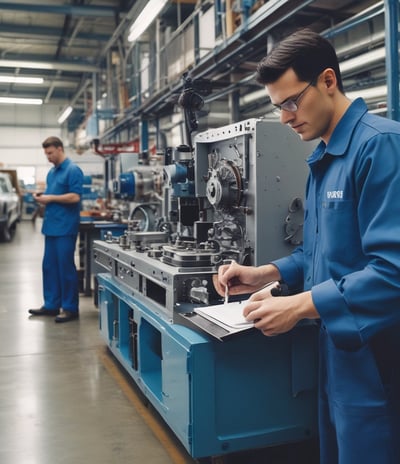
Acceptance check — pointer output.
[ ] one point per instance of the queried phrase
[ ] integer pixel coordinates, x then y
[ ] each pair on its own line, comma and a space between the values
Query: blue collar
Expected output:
64, 164
342, 133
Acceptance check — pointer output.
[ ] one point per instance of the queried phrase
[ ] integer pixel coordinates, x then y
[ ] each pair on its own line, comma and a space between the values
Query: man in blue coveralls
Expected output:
60, 227
346, 275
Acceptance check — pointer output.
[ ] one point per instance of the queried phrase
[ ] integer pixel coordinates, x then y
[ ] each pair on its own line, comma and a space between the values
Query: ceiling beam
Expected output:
73, 10
46, 32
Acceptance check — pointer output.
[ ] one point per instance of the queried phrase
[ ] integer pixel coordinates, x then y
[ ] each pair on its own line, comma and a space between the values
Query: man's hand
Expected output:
275, 315
41, 198
243, 279
65, 198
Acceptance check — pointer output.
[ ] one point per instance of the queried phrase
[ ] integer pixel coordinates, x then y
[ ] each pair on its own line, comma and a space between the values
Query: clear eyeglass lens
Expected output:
289, 105
292, 105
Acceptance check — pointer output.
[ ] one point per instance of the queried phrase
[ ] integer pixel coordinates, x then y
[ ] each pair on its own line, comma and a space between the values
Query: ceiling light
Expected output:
83, 67
145, 18
65, 114
21, 80
21, 101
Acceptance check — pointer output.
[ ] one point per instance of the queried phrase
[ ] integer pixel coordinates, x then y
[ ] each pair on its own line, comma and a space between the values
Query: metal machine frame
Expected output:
249, 391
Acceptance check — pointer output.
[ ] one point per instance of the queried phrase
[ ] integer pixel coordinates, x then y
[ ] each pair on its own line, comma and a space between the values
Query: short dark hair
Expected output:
306, 52
52, 142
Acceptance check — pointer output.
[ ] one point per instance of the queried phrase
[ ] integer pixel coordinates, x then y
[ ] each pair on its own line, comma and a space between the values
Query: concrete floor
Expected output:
64, 398
61, 403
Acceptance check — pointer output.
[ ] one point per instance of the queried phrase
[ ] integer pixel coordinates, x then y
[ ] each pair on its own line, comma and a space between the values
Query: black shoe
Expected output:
66, 316
43, 312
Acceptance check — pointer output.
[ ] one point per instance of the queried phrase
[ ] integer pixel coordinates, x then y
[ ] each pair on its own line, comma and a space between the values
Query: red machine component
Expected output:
115, 148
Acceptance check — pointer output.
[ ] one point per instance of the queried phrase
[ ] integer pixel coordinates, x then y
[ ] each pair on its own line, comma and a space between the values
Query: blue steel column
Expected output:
144, 135
95, 115
392, 58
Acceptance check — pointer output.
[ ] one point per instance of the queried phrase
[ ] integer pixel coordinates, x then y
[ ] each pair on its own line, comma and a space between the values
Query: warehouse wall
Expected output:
21, 140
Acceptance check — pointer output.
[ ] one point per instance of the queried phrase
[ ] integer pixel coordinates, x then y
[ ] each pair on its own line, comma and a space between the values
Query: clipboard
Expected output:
221, 321
225, 320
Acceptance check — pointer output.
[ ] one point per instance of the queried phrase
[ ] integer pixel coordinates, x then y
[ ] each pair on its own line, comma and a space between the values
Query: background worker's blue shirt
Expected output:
63, 218
350, 257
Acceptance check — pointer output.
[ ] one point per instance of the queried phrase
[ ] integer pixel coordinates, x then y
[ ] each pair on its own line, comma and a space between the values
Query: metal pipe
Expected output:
357, 19
73, 10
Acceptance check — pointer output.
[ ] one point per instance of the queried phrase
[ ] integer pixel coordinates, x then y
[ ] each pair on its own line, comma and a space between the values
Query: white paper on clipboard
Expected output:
228, 315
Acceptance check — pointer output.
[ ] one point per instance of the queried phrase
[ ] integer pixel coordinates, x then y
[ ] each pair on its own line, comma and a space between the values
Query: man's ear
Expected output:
329, 78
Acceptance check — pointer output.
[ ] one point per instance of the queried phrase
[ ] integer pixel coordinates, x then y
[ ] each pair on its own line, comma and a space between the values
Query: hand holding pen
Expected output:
243, 279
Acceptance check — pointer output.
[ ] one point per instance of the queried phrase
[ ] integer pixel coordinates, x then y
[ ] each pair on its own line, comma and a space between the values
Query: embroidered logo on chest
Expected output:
334, 194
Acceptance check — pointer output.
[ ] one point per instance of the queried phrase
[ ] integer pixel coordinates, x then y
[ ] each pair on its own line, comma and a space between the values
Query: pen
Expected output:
226, 286
226, 294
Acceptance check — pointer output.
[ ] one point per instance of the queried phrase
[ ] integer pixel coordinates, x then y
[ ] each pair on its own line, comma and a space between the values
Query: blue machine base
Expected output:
217, 397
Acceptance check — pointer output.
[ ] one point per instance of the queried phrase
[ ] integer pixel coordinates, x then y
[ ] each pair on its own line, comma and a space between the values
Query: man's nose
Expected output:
286, 116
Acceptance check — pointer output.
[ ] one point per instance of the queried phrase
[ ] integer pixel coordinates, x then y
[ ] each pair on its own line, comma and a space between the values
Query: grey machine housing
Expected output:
253, 173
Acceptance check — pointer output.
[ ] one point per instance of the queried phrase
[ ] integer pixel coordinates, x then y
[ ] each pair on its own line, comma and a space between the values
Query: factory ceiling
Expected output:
66, 42
62, 42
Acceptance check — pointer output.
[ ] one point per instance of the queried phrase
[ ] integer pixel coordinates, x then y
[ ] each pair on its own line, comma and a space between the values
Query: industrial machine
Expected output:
236, 194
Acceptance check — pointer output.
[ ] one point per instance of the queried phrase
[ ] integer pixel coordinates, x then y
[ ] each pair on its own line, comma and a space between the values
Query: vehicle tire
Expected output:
8, 232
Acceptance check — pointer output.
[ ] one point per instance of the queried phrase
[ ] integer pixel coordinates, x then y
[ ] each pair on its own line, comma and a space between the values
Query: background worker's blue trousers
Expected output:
60, 277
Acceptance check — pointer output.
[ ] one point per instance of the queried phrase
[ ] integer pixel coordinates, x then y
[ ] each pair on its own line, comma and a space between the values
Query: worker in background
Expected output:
346, 275
60, 227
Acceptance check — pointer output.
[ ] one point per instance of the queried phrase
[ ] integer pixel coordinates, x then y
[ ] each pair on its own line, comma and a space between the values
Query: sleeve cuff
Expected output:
291, 273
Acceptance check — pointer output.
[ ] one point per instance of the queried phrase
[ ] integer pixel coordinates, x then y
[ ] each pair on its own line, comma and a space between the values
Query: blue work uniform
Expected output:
350, 260
60, 227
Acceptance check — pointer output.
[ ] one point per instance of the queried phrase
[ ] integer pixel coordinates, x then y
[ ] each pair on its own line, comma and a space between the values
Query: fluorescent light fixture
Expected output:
21, 80
65, 114
80, 67
21, 101
145, 18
